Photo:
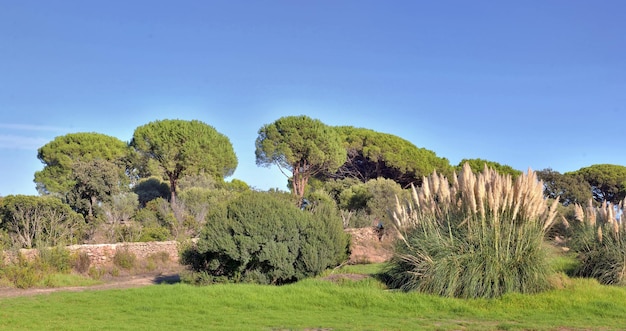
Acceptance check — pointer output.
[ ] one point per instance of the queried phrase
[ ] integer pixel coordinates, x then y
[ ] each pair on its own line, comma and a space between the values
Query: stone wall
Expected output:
367, 247
101, 255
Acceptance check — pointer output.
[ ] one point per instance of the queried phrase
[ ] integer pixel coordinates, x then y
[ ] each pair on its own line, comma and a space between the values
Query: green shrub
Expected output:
154, 233
55, 259
264, 238
96, 273
21, 273
5, 240
124, 259
22, 276
482, 236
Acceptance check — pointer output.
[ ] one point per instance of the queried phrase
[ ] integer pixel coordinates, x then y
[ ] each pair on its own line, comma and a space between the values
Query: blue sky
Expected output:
539, 84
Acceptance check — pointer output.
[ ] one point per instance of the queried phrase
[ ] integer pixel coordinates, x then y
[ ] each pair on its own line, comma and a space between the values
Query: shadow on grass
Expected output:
167, 279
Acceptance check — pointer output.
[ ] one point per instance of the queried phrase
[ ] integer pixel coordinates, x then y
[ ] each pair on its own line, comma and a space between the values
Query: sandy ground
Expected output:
113, 283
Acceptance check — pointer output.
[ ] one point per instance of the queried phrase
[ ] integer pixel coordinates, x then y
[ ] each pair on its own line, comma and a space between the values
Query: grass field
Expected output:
314, 304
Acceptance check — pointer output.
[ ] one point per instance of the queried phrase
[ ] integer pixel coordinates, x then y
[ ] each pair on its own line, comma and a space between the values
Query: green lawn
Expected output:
313, 304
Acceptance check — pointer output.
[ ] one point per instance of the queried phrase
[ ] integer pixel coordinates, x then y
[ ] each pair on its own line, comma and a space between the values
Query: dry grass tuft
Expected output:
479, 236
599, 238
487, 197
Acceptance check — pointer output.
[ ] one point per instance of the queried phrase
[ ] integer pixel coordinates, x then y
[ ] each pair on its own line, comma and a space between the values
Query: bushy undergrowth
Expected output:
264, 238
481, 236
599, 238
24, 273
124, 259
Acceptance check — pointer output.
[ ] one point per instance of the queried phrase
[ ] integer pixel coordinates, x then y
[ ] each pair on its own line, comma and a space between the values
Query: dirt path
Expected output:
114, 283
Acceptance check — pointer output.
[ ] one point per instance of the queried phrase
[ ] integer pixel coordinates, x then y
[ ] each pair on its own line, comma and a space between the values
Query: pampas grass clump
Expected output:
480, 236
599, 238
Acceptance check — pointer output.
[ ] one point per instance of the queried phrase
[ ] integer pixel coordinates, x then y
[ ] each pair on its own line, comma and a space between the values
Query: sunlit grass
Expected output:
311, 304
65, 280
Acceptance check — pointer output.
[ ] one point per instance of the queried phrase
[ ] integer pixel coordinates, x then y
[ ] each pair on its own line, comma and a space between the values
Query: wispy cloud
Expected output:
31, 127
26, 136
21, 142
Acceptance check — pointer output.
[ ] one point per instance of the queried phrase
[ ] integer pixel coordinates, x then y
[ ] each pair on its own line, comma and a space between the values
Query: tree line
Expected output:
164, 182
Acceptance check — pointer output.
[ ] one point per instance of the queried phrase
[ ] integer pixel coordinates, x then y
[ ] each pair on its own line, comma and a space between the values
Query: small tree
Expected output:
570, 188
185, 148
301, 146
33, 221
118, 213
61, 154
96, 181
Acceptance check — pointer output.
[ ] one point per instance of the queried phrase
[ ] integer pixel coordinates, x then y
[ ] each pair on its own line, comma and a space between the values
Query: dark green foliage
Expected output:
236, 185
148, 189
5, 240
157, 212
327, 228
571, 188
372, 155
264, 238
199, 180
478, 165
608, 181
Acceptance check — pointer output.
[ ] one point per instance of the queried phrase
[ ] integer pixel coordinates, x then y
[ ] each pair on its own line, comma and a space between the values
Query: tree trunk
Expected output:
300, 180
92, 202
172, 189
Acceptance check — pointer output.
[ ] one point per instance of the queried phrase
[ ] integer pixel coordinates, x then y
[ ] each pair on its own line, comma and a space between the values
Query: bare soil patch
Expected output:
109, 283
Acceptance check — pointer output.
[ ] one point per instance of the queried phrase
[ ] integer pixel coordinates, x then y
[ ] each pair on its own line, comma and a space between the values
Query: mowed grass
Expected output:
314, 304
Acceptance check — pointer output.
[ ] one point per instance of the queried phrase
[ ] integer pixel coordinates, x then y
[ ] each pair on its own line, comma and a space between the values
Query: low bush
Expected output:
154, 233
21, 276
96, 273
55, 259
264, 238
21, 273
124, 259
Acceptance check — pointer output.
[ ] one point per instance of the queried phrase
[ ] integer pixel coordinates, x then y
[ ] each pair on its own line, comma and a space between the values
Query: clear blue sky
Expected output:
538, 84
